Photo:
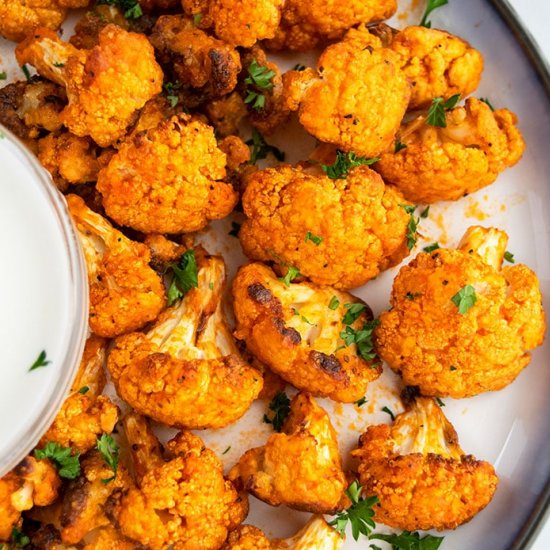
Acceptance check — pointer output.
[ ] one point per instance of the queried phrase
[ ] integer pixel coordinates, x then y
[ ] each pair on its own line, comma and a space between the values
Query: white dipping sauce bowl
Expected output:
43, 301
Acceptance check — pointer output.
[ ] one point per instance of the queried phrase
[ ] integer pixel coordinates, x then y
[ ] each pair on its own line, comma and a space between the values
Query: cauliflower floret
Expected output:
109, 538
237, 22
225, 114
421, 476
186, 371
184, 502
295, 333
105, 85
308, 23
125, 293
31, 483
356, 99
168, 179
446, 342
448, 163
86, 413
315, 535
194, 58
88, 27
300, 467
365, 233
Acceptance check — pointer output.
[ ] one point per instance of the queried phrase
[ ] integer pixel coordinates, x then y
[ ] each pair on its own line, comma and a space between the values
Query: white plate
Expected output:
508, 428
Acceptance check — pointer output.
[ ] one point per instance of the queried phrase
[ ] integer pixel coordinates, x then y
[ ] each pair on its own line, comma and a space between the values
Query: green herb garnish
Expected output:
259, 78
412, 226
389, 411
3, 75
486, 100
362, 338
334, 303
410, 541
431, 247
18, 538
84, 390
280, 409
169, 90
344, 163
299, 67
185, 277
399, 146
227, 450
439, 402
26, 72
291, 274
431, 6
67, 464
109, 450
197, 18
509, 257
260, 148
436, 113
353, 312
360, 402
130, 8
315, 239
40, 361
464, 299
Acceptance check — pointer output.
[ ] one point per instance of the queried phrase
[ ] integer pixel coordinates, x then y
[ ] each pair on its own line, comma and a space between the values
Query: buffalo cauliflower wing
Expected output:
183, 500
125, 293
186, 371
422, 478
459, 323
300, 467
105, 85
85, 413
168, 179
365, 233
356, 99
31, 483
448, 163
300, 331
309, 23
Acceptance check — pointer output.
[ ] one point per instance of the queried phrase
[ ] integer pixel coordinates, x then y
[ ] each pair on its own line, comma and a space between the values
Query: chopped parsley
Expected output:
359, 514
280, 409
412, 295
58, 65
170, 89
410, 541
227, 450
436, 113
84, 390
299, 67
431, 247
315, 239
412, 226
197, 18
464, 299
18, 538
3, 75
334, 303
486, 100
452, 368
439, 402
130, 8
353, 312
40, 361
67, 464
509, 257
185, 276
431, 6
260, 148
424, 214
235, 228
109, 450
360, 402
362, 338
291, 274
344, 162
399, 146
388, 411
26, 72
259, 78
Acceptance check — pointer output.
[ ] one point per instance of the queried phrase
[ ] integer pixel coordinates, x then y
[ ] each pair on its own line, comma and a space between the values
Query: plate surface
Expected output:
508, 428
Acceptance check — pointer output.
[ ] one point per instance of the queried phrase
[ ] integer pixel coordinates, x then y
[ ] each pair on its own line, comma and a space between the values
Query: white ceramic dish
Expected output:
508, 428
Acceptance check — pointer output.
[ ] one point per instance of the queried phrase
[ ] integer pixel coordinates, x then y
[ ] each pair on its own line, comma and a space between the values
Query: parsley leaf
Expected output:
360, 402
40, 361
67, 464
486, 100
315, 239
109, 450
439, 402
18, 538
26, 72
299, 67
344, 163
412, 295
334, 303
131, 8
83, 390
424, 214
399, 146
431, 6
436, 113
259, 78
464, 299
185, 277
410, 541
388, 411
197, 18
170, 89
509, 257
431, 247
280, 407
58, 65
353, 312
260, 148
227, 450
362, 338
412, 226
3, 75
235, 228
359, 514
291, 274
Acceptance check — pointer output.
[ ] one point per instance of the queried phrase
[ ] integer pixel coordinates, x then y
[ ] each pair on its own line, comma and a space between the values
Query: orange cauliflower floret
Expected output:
421, 476
105, 85
167, 180
295, 333
31, 483
184, 501
125, 293
444, 341
300, 467
356, 99
308, 23
85, 414
237, 22
186, 370
448, 163
365, 233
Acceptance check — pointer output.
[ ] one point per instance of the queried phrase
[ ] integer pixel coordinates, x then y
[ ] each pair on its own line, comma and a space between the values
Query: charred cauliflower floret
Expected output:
300, 467
355, 99
125, 293
168, 180
88, 27
194, 58
365, 233
186, 371
308, 23
105, 85
460, 324
421, 476
448, 163
31, 483
237, 22
183, 501
225, 114
86, 413
306, 333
